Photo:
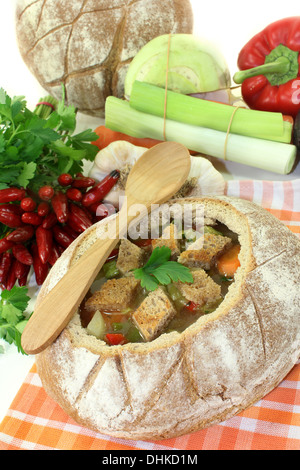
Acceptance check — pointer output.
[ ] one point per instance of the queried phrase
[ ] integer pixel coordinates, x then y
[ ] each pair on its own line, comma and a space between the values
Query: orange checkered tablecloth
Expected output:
35, 422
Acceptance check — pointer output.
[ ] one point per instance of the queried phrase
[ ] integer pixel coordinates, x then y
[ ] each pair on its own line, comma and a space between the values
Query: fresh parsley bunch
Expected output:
35, 150
160, 270
13, 305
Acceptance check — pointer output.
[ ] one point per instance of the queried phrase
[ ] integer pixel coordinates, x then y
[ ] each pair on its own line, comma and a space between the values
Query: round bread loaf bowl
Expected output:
182, 382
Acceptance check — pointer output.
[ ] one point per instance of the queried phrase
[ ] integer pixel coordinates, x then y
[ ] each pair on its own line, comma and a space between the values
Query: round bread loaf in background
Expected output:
89, 44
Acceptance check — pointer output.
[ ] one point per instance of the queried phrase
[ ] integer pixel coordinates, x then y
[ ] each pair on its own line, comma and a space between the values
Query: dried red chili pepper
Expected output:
65, 179
12, 208
80, 212
73, 194
43, 209
10, 219
5, 245
54, 255
49, 221
21, 234
23, 280
78, 221
82, 182
11, 277
87, 212
61, 236
270, 68
21, 253
44, 240
31, 218
28, 204
20, 269
75, 224
98, 192
12, 194
70, 231
60, 206
5, 264
40, 269
46, 193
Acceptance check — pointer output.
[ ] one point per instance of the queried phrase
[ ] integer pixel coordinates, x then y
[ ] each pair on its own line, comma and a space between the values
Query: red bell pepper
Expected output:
192, 306
270, 68
115, 338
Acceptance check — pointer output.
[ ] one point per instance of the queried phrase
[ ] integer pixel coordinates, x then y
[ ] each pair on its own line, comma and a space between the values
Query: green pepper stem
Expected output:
280, 65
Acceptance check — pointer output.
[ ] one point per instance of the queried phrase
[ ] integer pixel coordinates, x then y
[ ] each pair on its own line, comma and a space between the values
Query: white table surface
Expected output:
229, 24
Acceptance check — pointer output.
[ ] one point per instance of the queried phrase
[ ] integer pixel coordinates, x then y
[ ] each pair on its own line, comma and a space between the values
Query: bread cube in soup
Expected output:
154, 314
203, 252
130, 256
115, 295
170, 239
203, 290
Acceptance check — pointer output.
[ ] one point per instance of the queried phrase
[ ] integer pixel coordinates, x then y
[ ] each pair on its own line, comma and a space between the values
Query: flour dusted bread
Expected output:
181, 382
89, 44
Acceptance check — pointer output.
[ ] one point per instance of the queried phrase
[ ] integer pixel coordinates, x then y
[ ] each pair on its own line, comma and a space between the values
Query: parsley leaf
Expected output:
37, 146
13, 318
159, 270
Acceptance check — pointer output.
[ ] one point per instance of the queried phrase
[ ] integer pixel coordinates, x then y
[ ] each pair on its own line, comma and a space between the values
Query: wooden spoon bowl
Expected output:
158, 174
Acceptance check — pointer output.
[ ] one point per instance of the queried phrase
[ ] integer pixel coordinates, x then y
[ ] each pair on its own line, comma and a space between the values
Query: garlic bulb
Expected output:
203, 179
118, 155
209, 180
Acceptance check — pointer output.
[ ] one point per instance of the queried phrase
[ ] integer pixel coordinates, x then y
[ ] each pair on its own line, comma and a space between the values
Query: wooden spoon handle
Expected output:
64, 299
43, 327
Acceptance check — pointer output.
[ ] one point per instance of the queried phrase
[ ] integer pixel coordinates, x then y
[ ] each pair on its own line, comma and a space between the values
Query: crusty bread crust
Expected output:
220, 365
89, 44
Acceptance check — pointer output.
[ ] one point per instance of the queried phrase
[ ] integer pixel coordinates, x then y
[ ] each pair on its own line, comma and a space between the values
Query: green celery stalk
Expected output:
267, 155
150, 99
110, 269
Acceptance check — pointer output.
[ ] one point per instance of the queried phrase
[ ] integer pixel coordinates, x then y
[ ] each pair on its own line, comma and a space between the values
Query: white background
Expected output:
230, 24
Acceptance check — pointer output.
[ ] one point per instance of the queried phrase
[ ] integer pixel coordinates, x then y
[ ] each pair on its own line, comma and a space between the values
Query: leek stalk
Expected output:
150, 99
46, 106
260, 153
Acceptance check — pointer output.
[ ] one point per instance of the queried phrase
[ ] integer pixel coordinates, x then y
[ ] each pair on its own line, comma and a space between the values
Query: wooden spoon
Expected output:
158, 174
